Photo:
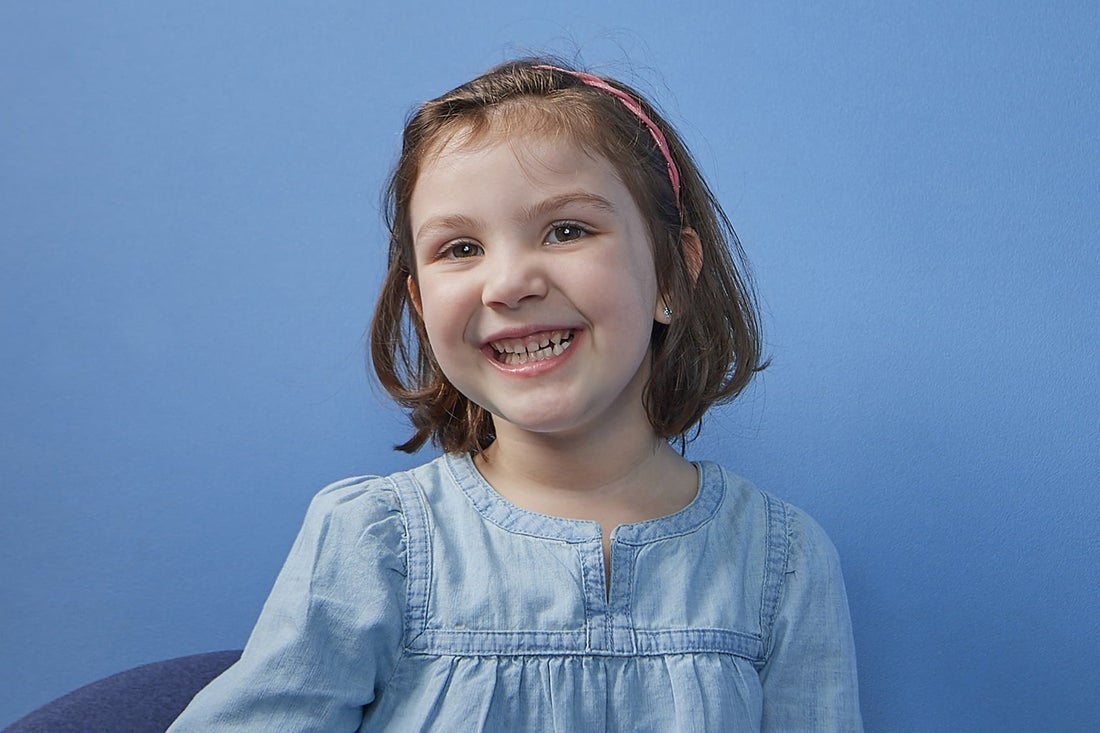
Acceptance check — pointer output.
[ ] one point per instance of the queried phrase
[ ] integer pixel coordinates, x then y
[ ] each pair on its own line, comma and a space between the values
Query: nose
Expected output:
513, 279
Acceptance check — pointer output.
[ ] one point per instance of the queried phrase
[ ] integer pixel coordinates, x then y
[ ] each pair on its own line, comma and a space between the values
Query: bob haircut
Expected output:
706, 355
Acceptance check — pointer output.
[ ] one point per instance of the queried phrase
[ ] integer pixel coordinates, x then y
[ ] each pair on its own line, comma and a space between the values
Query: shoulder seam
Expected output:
777, 553
418, 555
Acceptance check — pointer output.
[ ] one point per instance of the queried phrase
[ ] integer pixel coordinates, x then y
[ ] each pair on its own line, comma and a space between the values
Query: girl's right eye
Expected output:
460, 250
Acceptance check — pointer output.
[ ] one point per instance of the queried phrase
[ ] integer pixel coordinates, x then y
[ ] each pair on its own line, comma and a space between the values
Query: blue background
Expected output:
191, 243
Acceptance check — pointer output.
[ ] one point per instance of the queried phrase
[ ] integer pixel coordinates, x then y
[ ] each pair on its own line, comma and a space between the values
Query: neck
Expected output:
628, 476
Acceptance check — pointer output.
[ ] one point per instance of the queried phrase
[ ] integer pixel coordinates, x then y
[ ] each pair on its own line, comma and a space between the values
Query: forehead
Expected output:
567, 120
535, 151
469, 162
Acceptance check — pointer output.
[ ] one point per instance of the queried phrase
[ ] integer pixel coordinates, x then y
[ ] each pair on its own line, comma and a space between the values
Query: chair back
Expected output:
144, 699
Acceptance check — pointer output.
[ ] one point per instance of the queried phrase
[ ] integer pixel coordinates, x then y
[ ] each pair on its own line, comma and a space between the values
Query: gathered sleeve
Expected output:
330, 633
809, 678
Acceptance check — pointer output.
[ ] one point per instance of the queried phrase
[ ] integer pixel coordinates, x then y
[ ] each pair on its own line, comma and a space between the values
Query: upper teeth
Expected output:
531, 343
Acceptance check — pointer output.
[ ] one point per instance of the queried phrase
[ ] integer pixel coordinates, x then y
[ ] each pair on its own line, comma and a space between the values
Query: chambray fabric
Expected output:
424, 601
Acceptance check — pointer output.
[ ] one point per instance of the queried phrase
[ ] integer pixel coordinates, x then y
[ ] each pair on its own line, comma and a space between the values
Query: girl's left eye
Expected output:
566, 231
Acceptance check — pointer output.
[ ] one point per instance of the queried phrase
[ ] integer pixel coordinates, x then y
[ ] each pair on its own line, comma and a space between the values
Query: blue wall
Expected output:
190, 244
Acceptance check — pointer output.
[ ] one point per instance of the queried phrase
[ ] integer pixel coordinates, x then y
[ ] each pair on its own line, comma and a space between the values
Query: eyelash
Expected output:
450, 250
581, 229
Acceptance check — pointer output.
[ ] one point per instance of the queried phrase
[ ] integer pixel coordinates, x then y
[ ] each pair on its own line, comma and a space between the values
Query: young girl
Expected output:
562, 301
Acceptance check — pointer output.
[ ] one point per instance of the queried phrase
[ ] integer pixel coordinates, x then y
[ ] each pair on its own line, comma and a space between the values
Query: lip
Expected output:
518, 332
533, 368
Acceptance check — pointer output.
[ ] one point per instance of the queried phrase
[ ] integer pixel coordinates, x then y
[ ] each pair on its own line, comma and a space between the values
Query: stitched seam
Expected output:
777, 555
587, 603
418, 592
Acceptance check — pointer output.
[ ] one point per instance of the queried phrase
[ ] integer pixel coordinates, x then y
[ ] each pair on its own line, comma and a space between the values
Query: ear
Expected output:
414, 296
692, 248
662, 314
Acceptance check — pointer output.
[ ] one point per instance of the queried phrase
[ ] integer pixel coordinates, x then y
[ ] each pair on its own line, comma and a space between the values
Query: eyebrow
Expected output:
537, 211
552, 204
450, 221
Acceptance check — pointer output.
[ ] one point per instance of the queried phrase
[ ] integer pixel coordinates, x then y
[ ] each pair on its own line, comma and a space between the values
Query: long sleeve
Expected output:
330, 632
809, 680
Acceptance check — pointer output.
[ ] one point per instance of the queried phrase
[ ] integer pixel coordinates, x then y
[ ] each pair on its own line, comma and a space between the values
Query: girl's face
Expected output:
536, 284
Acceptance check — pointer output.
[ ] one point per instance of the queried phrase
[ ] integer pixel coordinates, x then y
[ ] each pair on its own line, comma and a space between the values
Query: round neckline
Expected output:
506, 515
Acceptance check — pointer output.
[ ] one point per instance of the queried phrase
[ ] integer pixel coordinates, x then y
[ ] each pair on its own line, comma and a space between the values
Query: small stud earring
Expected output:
667, 313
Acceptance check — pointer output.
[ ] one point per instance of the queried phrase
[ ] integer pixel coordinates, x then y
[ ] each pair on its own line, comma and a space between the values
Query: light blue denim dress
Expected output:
424, 601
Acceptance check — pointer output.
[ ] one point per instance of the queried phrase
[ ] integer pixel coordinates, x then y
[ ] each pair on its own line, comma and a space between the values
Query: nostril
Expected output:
513, 286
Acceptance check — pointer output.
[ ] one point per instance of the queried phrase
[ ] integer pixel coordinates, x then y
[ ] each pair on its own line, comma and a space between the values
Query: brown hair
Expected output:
706, 355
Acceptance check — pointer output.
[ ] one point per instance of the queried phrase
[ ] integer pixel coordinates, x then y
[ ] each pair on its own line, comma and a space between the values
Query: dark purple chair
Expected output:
144, 699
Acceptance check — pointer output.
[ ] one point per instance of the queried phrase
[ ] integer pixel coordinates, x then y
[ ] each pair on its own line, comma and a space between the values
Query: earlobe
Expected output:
414, 296
663, 314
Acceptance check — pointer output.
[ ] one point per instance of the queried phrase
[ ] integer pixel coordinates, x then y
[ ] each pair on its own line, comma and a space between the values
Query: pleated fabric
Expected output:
424, 601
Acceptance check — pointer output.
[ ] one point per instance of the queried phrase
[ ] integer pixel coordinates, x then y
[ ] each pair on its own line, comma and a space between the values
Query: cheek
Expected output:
436, 326
631, 280
621, 302
444, 310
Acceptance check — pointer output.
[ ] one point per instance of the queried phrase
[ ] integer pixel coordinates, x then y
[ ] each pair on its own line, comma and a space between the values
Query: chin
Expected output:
546, 426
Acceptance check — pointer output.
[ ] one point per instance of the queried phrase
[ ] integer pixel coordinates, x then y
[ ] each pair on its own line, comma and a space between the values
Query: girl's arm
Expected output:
809, 679
330, 632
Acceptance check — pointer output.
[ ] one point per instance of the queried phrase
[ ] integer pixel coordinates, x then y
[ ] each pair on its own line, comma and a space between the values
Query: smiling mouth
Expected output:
536, 347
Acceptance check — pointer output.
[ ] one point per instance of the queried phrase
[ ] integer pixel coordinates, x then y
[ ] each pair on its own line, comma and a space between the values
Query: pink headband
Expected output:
635, 109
